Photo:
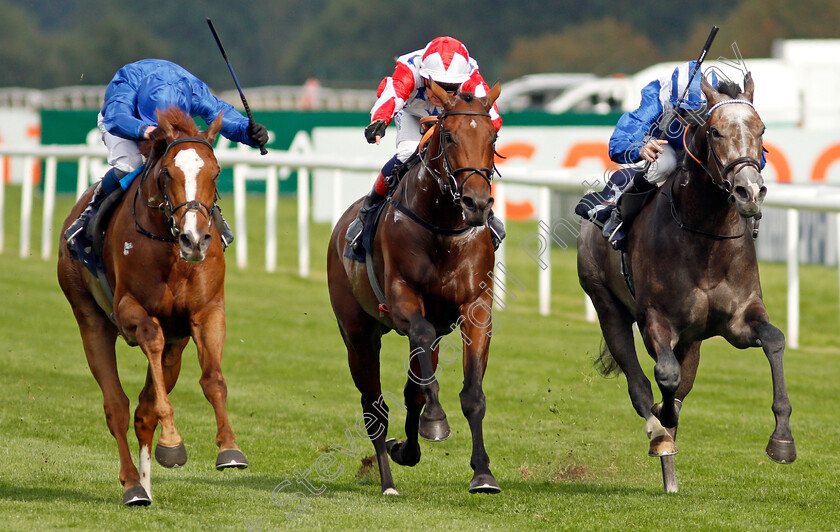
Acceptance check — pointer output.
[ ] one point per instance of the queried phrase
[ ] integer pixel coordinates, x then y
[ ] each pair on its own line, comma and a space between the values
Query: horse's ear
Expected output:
214, 129
495, 90
441, 94
164, 125
749, 87
712, 96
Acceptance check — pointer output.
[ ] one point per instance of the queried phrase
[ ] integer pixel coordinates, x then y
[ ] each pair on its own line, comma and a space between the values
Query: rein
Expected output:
167, 207
684, 227
452, 186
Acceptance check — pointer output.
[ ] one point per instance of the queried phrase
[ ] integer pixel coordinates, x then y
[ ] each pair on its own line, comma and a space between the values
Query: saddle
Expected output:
88, 248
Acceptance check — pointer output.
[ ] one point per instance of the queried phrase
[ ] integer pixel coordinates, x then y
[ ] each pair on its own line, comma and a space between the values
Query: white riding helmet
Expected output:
445, 60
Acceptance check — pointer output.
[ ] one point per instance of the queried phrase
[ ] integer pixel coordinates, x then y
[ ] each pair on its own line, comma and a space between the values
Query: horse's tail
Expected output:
605, 363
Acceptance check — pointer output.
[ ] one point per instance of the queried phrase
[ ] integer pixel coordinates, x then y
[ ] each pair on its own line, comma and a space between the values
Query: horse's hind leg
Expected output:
208, 332
363, 346
99, 336
617, 327
145, 418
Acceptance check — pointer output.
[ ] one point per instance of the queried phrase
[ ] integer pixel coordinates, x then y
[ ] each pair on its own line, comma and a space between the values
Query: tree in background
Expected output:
603, 47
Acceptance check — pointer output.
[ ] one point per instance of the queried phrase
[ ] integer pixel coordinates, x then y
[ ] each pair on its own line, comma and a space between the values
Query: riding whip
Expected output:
263, 151
674, 112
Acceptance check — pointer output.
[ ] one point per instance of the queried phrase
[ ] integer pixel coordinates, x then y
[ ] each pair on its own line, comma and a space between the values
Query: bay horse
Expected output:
166, 290
695, 273
432, 256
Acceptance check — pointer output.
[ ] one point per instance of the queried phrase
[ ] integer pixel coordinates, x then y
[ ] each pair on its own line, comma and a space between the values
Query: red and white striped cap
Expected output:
445, 60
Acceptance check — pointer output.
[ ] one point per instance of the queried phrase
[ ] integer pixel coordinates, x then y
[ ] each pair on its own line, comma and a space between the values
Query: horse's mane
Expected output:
729, 88
180, 123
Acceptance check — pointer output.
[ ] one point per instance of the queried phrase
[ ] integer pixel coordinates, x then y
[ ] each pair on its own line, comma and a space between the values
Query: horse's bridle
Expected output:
166, 207
723, 170
721, 182
452, 185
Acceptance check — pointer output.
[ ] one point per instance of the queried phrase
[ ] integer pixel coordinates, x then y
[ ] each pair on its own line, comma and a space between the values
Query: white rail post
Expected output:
82, 177
836, 236
337, 196
49, 207
303, 221
271, 219
239, 197
2, 198
26, 205
793, 278
544, 214
499, 276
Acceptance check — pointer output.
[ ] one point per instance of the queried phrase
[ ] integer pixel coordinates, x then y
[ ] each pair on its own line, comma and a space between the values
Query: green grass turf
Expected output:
564, 443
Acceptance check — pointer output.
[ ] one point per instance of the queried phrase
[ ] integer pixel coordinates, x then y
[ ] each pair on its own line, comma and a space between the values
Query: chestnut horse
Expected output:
432, 256
165, 291
694, 267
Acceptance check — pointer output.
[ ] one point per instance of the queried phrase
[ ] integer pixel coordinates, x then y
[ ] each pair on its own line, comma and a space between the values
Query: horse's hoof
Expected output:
390, 491
781, 451
434, 430
231, 458
662, 446
171, 456
398, 453
136, 496
484, 483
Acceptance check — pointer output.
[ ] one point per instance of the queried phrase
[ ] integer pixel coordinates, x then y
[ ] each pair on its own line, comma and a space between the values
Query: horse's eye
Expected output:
447, 137
715, 133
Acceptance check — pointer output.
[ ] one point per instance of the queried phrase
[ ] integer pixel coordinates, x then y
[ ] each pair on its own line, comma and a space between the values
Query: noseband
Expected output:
167, 207
455, 188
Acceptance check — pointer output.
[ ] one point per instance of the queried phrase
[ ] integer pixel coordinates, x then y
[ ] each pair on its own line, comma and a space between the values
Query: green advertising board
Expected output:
72, 127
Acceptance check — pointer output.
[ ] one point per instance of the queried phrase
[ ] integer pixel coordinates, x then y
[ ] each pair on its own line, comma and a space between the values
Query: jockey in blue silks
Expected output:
636, 139
128, 117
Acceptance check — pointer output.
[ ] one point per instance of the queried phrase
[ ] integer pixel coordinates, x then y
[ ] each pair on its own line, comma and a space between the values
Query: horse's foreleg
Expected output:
476, 332
659, 340
688, 356
136, 323
418, 391
781, 447
433, 423
208, 332
145, 418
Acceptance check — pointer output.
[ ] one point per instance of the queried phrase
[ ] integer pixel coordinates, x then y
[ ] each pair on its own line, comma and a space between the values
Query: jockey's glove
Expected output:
257, 133
375, 129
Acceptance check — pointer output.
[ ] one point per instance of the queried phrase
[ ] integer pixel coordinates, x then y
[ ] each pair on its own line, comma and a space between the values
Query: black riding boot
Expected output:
614, 230
225, 231
596, 206
497, 230
354, 230
75, 234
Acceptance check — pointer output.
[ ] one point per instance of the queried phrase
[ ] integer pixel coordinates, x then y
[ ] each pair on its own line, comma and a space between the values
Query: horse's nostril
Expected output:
742, 193
468, 202
185, 241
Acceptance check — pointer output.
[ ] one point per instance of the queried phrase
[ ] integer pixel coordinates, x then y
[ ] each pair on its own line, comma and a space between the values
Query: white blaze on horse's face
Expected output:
742, 130
190, 164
